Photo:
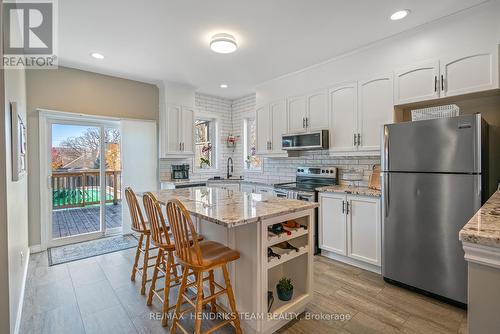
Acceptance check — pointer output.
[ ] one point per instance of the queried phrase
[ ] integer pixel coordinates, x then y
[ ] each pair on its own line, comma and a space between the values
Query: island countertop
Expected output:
484, 227
231, 208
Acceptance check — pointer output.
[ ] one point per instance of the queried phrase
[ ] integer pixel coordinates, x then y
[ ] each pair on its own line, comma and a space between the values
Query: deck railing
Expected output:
81, 188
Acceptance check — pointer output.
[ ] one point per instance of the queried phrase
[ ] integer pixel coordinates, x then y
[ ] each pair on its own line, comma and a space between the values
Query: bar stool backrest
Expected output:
187, 248
138, 223
155, 218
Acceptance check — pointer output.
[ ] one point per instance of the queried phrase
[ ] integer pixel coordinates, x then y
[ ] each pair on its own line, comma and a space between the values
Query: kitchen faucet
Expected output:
228, 173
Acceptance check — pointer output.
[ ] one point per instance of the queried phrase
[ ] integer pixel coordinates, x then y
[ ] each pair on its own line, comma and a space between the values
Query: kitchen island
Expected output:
481, 242
240, 220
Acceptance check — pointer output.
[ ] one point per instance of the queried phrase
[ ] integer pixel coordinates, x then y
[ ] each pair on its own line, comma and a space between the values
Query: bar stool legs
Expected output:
143, 271
201, 301
137, 255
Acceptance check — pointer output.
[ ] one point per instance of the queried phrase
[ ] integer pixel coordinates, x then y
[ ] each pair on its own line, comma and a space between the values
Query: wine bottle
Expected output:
270, 253
286, 245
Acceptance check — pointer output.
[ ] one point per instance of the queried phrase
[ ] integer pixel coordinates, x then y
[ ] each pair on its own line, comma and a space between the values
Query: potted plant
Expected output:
284, 289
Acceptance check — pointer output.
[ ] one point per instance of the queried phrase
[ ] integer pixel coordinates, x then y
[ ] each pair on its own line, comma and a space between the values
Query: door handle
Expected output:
270, 145
435, 83
385, 193
347, 207
303, 122
359, 139
343, 206
307, 122
355, 141
442, 82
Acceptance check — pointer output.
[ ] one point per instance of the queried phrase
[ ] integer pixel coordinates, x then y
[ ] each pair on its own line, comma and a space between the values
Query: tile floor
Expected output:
96, 295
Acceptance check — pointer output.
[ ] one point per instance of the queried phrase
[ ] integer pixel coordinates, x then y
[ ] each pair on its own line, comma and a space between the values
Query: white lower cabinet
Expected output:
247, 188
350, 227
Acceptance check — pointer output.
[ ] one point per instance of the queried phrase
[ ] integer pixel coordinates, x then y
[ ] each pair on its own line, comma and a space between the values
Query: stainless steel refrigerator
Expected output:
432, 185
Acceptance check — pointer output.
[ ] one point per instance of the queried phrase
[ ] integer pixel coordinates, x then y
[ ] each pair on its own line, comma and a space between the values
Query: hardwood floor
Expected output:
96, 295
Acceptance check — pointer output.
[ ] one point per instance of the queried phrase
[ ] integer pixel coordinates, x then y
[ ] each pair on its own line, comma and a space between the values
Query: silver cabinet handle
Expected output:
435, 83
355, 141
347, 207
307, 122
270, 145
180, 146
183, 146
359, 139
343, 206
303, 122
442, 82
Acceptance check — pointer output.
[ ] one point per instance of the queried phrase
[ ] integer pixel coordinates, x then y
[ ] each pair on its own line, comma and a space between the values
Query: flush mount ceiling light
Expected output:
400, 14
223, 43
97, 55
223, 86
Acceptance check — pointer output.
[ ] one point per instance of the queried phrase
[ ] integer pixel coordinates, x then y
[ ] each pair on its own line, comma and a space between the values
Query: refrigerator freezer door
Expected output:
422, 215
446, 145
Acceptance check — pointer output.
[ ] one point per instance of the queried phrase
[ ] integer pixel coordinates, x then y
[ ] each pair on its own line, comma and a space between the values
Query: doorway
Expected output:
83, 169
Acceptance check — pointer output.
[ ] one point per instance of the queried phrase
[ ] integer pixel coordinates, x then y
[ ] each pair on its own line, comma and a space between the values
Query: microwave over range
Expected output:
318, 140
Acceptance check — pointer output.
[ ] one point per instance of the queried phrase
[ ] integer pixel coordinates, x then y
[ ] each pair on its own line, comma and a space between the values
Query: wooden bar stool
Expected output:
200, 257
139, 225
165, 262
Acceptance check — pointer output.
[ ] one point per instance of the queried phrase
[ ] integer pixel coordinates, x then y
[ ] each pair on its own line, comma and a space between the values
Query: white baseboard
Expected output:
352, 262
21, 297
35, 249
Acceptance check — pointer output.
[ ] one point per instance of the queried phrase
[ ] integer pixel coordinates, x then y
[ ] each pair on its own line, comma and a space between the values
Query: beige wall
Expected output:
17, 197
72, 90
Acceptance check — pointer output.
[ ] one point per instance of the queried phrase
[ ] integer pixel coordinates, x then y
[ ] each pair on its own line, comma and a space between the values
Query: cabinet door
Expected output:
469, 73
364, 229
418, 82
173, 135
297, 110
332, 223
263, 129
317, 111
343, 102
376, 108
187, 130
278, 125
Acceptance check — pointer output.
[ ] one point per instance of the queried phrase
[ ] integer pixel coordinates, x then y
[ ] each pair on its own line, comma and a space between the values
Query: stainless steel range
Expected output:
304, 188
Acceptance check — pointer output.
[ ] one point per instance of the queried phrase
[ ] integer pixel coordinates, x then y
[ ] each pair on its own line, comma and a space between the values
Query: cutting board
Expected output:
374, 182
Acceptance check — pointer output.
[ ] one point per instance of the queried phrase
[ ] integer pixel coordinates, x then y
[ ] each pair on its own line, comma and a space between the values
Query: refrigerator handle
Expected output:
385, 193
385, 149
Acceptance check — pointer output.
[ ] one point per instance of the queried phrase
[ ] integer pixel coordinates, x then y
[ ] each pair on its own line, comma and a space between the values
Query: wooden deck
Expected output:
74, 221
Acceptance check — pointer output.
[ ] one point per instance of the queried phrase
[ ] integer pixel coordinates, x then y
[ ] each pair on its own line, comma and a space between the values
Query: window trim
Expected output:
216, 142
245, 118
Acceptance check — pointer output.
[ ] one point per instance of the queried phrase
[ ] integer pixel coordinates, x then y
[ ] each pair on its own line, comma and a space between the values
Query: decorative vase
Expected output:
284, 295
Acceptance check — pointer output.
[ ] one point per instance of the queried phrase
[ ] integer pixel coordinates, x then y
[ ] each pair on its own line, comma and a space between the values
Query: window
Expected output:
252, 161
205, 155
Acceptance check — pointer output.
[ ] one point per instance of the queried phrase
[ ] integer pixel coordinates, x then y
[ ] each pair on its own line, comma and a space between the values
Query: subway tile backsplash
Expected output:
275, 170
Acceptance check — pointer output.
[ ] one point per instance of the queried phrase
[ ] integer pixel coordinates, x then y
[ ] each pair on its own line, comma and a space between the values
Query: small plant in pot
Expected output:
284, 289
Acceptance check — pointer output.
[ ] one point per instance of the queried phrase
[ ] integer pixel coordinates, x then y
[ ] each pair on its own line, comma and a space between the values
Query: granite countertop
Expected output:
340, 188
232, 208
233, 180
484, 227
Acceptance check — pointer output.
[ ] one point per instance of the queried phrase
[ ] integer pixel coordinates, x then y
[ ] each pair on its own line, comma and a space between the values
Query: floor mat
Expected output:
82, 250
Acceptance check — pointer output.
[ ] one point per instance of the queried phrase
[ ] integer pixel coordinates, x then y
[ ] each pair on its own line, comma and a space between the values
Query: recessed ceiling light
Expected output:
97, 55
223, 86
400, 14
223, 43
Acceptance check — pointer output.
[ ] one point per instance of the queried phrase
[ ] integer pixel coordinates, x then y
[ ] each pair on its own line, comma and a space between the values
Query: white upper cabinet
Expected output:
187, 128
297, 110
448, 76
176, 131
278, 117
317, 117
343, 105
376, 108
469, 73
418, 82
263, 128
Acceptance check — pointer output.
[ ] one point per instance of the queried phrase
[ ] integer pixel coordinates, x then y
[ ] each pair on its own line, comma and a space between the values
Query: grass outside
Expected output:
69, 197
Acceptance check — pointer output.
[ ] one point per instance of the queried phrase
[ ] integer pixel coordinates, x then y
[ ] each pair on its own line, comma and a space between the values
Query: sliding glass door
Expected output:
84, 179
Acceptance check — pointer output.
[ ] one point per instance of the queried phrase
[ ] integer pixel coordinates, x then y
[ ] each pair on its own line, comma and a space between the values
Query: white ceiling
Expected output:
153, 40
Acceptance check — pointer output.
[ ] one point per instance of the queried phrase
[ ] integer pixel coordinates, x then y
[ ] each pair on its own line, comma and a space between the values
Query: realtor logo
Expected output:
29, 31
